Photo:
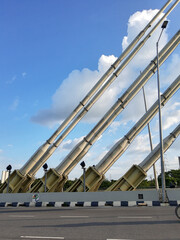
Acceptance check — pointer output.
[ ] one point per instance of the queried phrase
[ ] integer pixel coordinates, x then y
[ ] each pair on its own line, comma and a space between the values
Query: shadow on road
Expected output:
96, 224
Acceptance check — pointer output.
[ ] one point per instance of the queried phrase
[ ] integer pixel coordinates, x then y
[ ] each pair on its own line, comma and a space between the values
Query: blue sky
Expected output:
47, 47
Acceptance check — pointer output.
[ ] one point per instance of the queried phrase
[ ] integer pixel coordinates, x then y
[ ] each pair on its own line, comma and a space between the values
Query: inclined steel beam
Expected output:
62, 170
34, 167
137, 173
119, 148
82, 105
116, 152
45, 151
79, 151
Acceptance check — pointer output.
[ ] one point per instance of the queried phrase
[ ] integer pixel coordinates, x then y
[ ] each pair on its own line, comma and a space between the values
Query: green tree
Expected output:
147, 184
105, 184
68, 184
172, 178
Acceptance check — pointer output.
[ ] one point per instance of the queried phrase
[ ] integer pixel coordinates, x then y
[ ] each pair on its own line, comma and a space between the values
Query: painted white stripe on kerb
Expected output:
39, 237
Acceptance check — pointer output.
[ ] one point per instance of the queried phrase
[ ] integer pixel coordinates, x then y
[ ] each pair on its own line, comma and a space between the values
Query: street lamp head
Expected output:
83, 164
164, 25
45, 166
9, 167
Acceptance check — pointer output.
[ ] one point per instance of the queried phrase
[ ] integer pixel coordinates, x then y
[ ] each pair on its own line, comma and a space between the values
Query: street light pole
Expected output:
45, 166
151, 145
9, 167
160, 118
83, 167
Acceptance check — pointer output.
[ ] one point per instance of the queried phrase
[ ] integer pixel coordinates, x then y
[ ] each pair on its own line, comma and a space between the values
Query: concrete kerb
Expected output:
90, 199
90, 204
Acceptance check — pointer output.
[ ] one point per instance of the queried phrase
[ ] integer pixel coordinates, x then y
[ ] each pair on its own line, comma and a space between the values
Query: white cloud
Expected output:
10, 145
172, 116
172, 70
14, 78
24, 74
15, 104
11, 80
69, 144
74, 88
114, 126
136, 23
137, 152
135, 109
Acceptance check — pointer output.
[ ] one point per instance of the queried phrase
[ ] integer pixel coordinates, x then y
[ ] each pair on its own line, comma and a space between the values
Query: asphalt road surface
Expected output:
107, 223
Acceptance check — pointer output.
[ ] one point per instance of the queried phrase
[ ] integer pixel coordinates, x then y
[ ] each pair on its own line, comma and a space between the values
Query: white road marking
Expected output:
21, 216
74, 216
39, 237
135, 217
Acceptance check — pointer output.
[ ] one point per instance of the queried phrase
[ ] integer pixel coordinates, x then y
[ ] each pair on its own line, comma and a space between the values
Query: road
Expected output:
107, 223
